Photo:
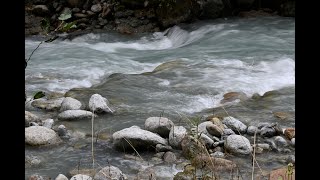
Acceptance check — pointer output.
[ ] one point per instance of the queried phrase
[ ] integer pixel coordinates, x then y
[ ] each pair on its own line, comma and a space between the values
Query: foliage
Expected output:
39, 95
66, 26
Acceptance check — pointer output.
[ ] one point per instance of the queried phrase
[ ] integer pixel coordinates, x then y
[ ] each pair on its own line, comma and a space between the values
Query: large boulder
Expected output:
70, 103
234, 124
176, 135
138, 138
109, 173
39, 135
159, 125
74, 114
238, 145
51, 104
99, 104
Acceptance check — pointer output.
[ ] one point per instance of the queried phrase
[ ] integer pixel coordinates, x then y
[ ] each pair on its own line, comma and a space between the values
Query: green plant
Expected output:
45, 25
65, 26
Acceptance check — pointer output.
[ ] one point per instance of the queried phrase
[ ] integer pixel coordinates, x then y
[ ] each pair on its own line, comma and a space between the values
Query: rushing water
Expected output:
184, 70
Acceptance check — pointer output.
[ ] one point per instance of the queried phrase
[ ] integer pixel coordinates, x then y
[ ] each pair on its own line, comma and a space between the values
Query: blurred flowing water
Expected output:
183, 71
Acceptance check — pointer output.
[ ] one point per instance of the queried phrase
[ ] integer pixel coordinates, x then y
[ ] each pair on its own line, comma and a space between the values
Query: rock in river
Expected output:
39, 135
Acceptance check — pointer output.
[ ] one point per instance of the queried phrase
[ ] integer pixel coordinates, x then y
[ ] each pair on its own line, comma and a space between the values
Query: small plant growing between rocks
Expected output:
65, 26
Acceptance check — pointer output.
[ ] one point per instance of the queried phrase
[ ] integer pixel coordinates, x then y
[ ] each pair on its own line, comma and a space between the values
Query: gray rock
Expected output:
291, 159
80, 15
214, 130
206, 140
169, 157
163, 148
96, 8
217, 154
202, 128
273, 145
48, 123
252, 129
32, 161
81, 177
263, 124
264, 146
109, 173
63, 132
267, 131
61, 177
139, 138
176, 135
237, 144
70, 103
39, 135
30, 117
228, 132
74, 114
159, 155
280, 142
33, 124
51, 104
99, 104
293, 141
159, 125
234, 124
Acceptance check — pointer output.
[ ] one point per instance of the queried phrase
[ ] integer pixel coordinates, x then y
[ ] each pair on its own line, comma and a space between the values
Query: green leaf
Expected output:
65, 15
38, 95
68, 26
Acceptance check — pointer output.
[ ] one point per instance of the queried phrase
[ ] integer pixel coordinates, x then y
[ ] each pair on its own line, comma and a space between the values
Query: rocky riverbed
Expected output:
206, 148
138, 16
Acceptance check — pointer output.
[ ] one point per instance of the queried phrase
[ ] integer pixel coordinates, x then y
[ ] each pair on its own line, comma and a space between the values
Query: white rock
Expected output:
293, 141
176, 135
99, 104
109, 173
39, 135
234, 124
138, 137
70, 103
74, 114
237, 144
61, 177
81, 177
159, 125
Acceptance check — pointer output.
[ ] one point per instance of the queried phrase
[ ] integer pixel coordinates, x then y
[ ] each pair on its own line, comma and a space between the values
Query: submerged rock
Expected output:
138, 138
231, 96
237, 144
176, 135
74, 114
159, 125
234, 124
109, 173
32, 161
99, 104
39, 135
70, 103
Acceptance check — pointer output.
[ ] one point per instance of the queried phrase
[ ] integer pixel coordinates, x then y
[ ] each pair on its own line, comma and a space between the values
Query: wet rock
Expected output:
169, 157
280, 142
139, 138
264, 146
109, 173
32, 161
96, 8
234, 124
268, 131
289, 133
214, 130
63, 132
40, 10
217, 154
39, 135
252, 129
159, 125
232, 96
70, 103
228, 132
208, 162
281, 115
163, 148
81, 176
176, 135
237, 144
61, 177
51, 104
30, 117
48, 123
99, 104
74, 115
291, 159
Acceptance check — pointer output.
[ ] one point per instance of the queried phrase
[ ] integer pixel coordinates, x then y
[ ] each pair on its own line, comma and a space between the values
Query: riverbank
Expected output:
138, 16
